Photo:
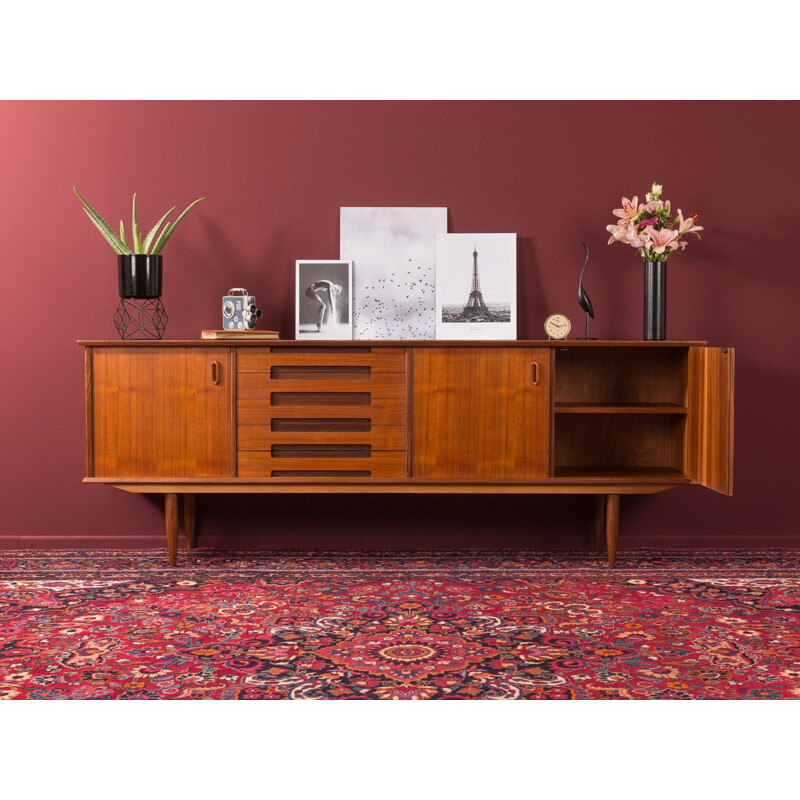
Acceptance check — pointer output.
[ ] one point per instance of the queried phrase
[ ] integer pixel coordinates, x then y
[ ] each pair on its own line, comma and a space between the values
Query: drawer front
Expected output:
342, 413
377, 385
316, 412
267, 359
263, 437
293, 463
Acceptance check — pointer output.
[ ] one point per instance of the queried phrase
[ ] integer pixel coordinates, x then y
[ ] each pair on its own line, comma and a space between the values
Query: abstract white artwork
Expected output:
476, 286
393, 253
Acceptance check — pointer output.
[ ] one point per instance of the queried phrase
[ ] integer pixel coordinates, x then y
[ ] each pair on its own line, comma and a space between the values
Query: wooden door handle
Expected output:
215, 372
535, 373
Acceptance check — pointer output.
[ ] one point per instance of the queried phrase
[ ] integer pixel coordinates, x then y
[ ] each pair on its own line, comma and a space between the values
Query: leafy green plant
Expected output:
151, 244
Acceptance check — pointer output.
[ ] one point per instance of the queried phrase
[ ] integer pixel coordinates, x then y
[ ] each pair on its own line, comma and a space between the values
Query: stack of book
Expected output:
240, 335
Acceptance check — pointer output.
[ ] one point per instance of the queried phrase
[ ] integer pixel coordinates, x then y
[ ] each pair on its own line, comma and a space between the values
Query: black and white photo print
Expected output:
476, 286
324, 300
393, 253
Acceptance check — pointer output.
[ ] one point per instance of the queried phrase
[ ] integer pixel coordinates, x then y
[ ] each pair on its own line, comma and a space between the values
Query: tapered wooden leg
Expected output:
188, 520
171, 513
612, 527
599, 522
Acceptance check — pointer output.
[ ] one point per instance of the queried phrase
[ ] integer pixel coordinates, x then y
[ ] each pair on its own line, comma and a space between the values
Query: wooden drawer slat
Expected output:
261, 437
253, 359
382, 411
260, 386
382, 464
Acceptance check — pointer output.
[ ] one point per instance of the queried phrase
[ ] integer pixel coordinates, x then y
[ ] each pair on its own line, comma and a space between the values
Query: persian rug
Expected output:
121, 624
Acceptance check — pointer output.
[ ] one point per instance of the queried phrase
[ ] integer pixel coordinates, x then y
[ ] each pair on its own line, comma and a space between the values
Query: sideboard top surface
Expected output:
382, 343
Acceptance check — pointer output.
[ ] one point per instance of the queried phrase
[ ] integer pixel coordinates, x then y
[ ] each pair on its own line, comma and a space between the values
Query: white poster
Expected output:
476, 286
393, 254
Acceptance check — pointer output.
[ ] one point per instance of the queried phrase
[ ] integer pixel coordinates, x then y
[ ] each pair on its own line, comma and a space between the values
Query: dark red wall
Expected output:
275, 175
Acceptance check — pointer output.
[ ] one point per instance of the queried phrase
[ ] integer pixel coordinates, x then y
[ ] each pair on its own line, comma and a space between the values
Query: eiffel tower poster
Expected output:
475, 310
476, 286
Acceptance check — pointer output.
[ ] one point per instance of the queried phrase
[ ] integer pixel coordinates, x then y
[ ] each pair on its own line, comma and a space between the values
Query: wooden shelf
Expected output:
619, 408
666, 474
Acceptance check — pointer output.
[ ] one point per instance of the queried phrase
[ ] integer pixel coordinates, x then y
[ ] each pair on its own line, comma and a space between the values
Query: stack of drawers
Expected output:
321, 412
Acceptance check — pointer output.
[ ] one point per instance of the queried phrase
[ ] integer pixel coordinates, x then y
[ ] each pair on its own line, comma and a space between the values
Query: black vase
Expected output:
655, 300
139, 276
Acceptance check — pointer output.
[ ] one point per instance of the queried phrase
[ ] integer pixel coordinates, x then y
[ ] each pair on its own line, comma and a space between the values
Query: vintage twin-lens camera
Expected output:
239, 312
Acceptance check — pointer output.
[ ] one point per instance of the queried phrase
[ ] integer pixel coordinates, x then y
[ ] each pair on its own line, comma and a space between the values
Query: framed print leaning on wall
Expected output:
476, 286
393, 251
323, 304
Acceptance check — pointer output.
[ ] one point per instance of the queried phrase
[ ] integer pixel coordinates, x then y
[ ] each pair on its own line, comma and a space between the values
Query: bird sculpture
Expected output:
583, 299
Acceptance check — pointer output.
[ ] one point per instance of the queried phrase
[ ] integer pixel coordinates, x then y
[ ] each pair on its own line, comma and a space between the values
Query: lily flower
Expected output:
619, 232
688, 225
663, 240
630, 209
636, 239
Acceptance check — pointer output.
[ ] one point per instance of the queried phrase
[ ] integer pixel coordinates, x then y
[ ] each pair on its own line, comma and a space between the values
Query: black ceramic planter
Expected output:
139, 276
655, 300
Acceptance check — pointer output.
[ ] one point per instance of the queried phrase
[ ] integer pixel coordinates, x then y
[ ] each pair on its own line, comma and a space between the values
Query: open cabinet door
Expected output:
709, 424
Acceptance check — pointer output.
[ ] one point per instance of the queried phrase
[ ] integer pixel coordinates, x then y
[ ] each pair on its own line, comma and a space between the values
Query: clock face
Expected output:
557, 326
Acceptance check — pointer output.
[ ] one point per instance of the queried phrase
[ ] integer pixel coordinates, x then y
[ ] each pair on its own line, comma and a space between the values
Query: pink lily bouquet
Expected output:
650, 227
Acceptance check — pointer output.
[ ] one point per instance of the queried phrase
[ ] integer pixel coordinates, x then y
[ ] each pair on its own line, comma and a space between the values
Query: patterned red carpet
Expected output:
471, 624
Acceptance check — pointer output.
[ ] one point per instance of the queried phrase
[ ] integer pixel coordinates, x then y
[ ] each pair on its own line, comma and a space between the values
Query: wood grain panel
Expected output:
611, 408
295, 373
709, 426
259, 386
380, 359
261, 437
321, 425
321, 450
622, 474
386, 411
349, 484
605, 441
319, 347
379, 464
156, 413
89, 381
320, 399
478, 414
619, 375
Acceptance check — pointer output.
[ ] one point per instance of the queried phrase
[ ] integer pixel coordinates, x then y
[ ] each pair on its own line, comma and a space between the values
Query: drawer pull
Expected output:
535, 373
321, 451
321, 398
325, 373
325, 424
215, 372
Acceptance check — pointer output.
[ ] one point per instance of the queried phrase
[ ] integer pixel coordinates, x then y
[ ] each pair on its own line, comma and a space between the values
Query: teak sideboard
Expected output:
605, 418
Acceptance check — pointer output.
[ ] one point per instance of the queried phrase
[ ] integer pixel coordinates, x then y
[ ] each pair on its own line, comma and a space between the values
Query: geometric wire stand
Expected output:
140, 319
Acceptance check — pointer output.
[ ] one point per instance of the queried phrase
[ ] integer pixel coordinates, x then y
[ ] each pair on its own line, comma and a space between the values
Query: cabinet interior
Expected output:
619, 411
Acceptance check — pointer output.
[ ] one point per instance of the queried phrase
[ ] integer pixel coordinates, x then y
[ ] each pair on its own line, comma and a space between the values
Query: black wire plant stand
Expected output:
139, 318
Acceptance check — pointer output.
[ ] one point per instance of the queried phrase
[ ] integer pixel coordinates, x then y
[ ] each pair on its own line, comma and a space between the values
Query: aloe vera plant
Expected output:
151, 244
